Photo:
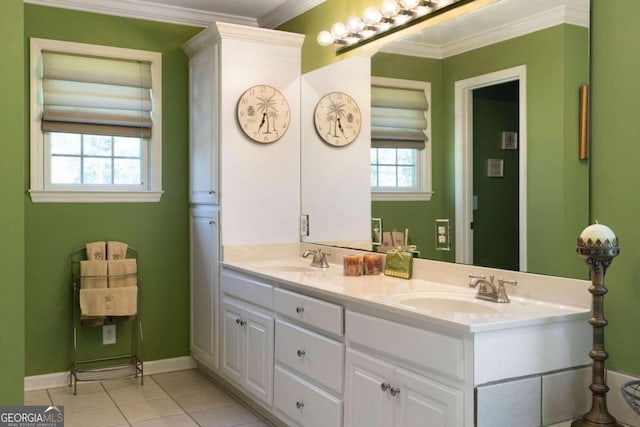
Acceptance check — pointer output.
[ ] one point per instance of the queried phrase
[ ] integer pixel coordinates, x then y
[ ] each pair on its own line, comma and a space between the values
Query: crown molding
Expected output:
547, 19
148, 10
287, 11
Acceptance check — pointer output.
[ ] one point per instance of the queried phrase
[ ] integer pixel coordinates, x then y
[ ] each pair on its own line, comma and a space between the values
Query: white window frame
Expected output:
423, 157
41, 190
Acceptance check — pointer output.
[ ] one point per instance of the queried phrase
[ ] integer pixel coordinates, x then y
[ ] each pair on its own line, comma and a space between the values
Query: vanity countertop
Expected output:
419, 300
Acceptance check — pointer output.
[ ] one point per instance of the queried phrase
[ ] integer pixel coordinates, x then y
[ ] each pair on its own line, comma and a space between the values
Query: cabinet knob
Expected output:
212, 192
211, 222
240, 322
300, 309
385, 386
394, 391
301, 353
299, 405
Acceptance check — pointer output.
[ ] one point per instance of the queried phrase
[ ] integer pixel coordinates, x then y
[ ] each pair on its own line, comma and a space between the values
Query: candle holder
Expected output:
598, 245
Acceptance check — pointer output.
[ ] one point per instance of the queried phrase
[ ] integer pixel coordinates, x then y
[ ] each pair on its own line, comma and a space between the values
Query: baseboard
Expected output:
61, 379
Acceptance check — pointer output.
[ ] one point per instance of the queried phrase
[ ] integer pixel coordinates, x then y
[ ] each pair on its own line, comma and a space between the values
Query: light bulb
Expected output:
409, 4
355, 25
338, 30
372, 16
389, 8
325, 38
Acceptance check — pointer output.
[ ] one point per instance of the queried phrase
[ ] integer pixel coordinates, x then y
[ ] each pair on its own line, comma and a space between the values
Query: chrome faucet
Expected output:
319, 258
488, 291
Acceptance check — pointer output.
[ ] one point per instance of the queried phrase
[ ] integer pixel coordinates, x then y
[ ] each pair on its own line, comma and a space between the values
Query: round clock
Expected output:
263, 113
337, 119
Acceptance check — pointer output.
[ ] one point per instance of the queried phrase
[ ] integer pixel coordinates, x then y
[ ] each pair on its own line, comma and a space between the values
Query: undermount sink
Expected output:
290, 269
439, 302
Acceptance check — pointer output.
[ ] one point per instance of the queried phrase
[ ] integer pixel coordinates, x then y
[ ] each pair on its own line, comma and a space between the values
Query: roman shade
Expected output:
398, 117
93, 95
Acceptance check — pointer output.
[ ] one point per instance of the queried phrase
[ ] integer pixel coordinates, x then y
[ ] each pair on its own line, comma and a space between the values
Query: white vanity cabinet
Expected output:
204, 250
247, 334
309, 353
381, 390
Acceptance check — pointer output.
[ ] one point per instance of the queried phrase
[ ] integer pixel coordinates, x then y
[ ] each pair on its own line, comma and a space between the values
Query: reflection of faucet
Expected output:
488, 291
319, 258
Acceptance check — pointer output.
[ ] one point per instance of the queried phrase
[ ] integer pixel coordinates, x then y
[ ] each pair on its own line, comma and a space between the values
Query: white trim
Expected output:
152, 367
381, 196
464, 157
141, 9
287, 11
148, 10
547, 19
49, 196
38, 188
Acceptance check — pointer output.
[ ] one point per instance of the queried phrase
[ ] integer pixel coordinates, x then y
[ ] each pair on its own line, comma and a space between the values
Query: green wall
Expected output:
615, 175
159, 231
12, 153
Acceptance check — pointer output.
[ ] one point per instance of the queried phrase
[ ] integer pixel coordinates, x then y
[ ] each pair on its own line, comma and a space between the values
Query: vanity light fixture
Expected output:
392, 16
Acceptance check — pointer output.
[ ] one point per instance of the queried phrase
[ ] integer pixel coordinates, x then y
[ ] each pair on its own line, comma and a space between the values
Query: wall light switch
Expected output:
442, 235
108, 334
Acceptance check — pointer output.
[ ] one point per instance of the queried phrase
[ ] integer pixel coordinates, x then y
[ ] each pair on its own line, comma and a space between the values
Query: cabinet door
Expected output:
204, 286
203, 126
259, 339
365, 402
423, 402
232, 340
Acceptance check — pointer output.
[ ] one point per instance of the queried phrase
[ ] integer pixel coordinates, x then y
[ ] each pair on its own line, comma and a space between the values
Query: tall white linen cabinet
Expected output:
241, 191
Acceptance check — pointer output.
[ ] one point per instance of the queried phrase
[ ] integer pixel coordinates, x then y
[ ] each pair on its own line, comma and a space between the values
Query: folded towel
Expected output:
109, 301
116, 250
93, 274
123, 273
96, 251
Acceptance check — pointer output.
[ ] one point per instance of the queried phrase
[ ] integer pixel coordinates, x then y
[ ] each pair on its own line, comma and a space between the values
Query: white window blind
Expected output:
94, 95
399, 113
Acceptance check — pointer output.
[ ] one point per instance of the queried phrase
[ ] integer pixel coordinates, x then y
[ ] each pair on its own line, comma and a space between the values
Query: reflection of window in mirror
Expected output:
400, 139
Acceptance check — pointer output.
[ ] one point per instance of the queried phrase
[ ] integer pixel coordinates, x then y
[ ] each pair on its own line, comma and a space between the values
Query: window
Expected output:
400, 140
96, 132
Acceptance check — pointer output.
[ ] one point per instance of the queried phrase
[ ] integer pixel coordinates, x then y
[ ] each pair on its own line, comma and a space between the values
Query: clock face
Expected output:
337, 119
263, 114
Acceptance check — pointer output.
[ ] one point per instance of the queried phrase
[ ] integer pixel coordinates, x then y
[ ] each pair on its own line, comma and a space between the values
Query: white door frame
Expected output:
464, 159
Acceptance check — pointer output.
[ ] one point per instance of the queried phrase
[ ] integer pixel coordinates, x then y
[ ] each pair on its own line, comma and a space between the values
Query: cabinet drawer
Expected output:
429, 351
311, 354
310, 311
246, 288
304, 403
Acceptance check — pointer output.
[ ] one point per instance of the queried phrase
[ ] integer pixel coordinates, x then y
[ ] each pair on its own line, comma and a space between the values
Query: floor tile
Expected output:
81, 402
173, 421
81, 388
207, 399
125, 393
186, 383
37, 397
225, 416
150, 409
103, 417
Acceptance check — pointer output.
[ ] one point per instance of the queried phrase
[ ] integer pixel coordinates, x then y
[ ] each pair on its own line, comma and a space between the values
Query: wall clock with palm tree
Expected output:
337, 119
263, 113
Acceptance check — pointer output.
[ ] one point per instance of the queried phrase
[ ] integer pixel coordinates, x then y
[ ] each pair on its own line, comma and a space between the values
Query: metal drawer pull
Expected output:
385, 386
300, 309
301, 353
395, 391
299, 405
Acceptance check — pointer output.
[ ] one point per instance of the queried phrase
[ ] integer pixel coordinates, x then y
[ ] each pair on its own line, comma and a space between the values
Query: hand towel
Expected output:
123, 273
96, 251
93, 274
116, 250
109, 301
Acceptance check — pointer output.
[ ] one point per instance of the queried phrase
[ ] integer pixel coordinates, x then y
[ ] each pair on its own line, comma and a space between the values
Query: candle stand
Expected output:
598, 245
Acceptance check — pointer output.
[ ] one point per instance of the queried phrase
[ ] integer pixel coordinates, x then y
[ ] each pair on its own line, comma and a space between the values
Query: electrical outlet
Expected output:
442, 235
108, 334
304, 225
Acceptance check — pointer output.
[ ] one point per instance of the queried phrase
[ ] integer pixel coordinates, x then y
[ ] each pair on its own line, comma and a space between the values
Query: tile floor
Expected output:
175, 399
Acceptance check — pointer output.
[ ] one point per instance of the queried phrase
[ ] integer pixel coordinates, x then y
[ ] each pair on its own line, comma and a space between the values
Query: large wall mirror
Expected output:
504, 168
